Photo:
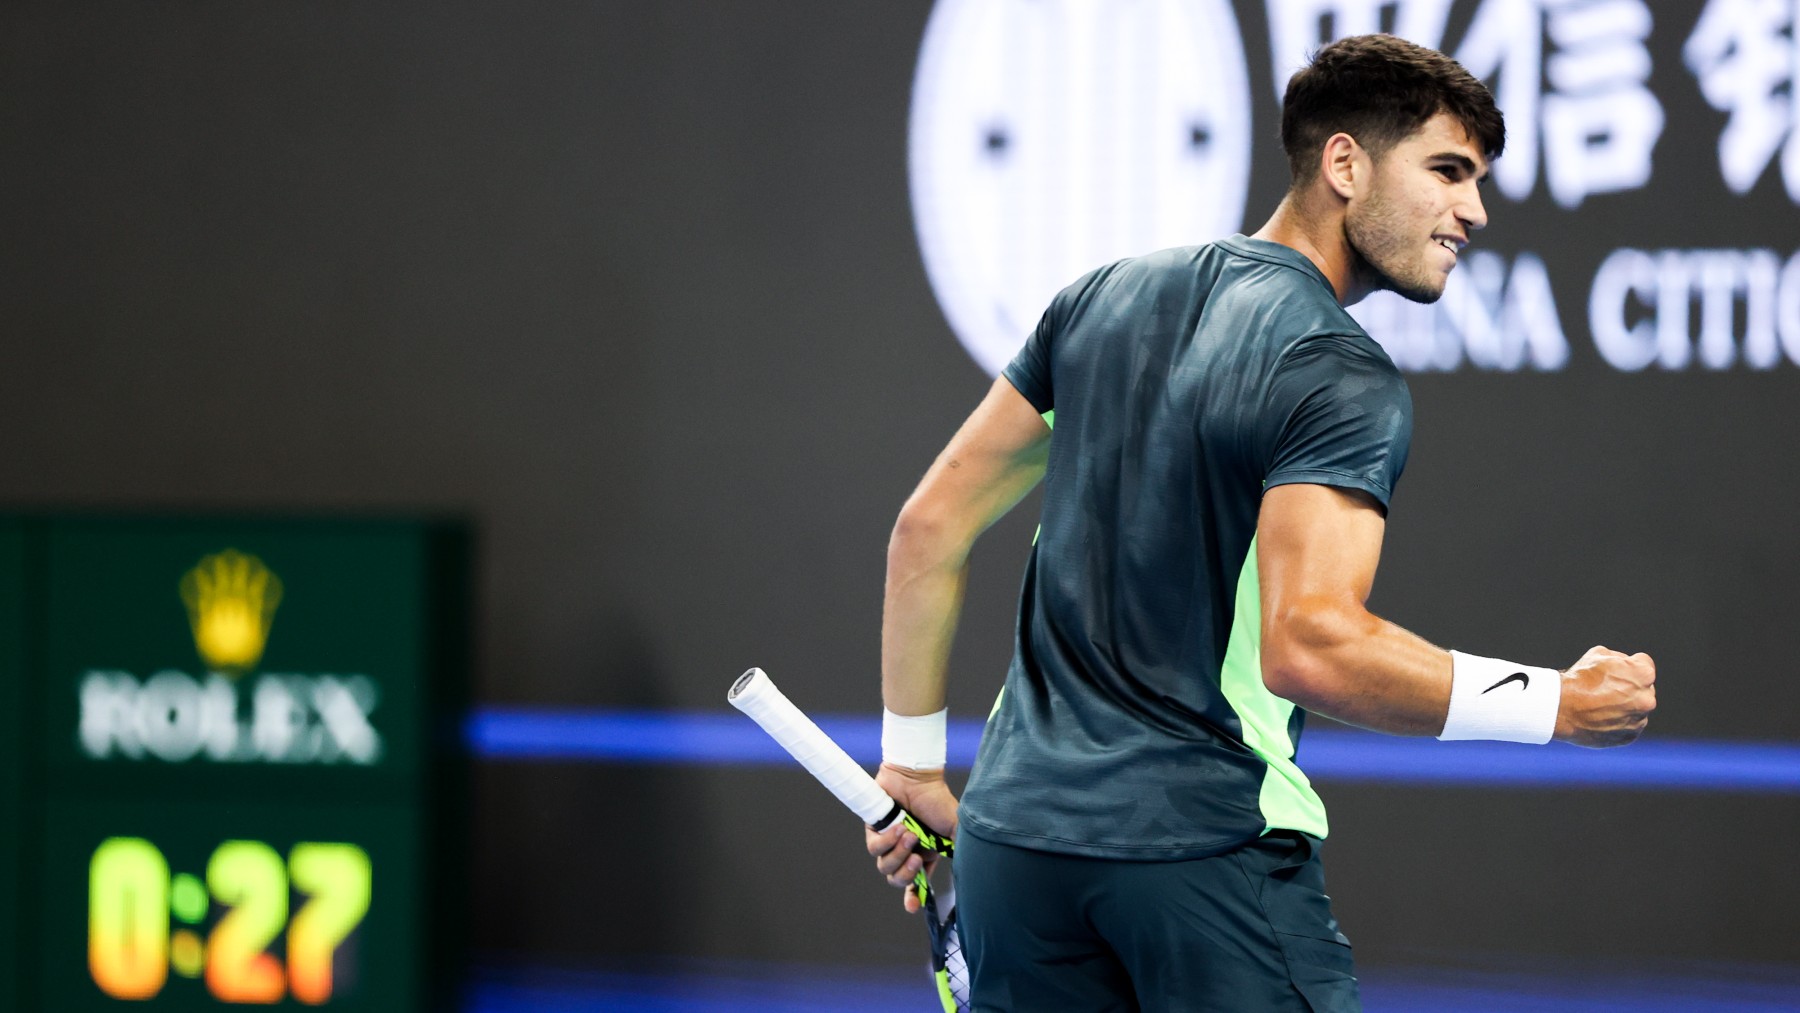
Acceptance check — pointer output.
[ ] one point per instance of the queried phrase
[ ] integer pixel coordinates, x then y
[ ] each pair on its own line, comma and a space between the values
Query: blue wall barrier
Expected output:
1328, 754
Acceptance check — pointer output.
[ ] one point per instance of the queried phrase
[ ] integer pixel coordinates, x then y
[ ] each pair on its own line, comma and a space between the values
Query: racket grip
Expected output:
755, 694
929, 839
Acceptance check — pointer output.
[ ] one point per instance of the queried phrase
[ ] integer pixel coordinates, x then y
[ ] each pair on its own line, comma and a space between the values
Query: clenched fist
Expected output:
1607, 698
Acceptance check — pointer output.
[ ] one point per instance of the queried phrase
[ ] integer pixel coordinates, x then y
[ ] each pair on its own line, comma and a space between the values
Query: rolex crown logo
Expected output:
231, 598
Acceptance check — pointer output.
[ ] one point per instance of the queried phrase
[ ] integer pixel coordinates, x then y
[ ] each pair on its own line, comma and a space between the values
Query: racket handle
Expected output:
929, 839
755, 694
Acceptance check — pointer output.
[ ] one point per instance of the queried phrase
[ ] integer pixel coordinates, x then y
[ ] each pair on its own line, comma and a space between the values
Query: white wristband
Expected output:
917, 743
1494, 699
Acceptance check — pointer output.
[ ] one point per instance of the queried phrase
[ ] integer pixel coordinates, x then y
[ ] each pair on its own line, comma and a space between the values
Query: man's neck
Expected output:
1318, 235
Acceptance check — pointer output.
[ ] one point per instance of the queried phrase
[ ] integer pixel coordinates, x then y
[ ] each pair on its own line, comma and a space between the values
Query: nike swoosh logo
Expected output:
1524, 683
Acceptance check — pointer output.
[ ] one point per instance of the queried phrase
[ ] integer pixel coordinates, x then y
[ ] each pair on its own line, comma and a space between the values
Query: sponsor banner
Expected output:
212, 656
1641, 216
175, 717
230, 794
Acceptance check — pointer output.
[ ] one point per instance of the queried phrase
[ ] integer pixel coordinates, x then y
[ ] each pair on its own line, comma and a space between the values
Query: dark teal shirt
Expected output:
1134, 722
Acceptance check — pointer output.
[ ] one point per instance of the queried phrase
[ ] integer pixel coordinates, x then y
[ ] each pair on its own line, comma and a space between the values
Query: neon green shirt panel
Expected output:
1288, 800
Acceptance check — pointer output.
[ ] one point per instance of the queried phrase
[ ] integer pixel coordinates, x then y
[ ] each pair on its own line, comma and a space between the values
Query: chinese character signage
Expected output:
1643, 213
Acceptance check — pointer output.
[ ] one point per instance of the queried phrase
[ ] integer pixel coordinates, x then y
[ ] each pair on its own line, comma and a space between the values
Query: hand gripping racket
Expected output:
756, 695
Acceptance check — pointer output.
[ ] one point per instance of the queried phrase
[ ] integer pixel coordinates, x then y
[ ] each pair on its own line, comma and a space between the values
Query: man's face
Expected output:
1414, 219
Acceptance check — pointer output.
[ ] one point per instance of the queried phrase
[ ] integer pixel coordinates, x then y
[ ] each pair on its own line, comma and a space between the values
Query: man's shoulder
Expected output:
1130, 283
1196, 270
1174, 263
1249, 286
1274, 289
1235, 254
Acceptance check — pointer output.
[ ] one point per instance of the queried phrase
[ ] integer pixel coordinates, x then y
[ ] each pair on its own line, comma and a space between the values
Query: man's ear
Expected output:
1344, 165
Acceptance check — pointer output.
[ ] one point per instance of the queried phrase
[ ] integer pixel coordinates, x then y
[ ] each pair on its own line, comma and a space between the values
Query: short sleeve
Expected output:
1338, 414
1029, 372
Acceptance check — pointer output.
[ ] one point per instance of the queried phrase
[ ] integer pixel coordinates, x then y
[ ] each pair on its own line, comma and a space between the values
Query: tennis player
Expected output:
1136, 833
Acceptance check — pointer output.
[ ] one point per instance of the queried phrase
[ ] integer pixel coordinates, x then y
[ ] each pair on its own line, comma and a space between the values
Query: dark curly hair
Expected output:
1379, 89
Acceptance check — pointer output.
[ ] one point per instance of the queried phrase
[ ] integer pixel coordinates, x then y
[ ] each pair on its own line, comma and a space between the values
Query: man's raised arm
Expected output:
1317, 551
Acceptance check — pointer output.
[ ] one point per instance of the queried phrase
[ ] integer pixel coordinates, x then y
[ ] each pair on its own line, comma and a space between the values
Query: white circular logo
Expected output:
1049, 137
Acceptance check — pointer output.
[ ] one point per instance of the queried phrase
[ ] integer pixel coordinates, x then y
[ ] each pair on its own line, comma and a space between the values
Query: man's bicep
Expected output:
990, 464
1317, 546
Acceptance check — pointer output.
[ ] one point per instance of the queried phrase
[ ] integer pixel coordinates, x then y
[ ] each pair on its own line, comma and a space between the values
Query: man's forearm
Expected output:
996, 458
927, 572
1362, 670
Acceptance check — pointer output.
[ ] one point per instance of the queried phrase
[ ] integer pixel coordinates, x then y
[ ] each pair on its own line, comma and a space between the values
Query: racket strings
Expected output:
948, 964
956, 969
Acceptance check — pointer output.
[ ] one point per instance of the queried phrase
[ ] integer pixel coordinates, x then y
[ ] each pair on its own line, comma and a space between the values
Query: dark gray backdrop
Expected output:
636, 287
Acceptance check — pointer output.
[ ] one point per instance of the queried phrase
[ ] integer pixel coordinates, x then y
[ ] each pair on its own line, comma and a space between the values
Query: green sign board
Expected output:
247, 754
15, 822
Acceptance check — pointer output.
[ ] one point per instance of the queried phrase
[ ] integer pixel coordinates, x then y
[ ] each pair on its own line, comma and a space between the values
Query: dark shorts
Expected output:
1249, 931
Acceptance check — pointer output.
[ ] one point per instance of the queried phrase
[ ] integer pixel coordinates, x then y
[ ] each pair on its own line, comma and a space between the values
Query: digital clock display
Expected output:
232, 917
296, 905
234, 797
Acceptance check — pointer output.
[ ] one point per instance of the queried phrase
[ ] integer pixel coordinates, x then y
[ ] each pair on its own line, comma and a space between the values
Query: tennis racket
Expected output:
755, 694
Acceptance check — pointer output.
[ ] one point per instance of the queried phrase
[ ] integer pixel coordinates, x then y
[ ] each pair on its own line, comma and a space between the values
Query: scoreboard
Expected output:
230, 768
